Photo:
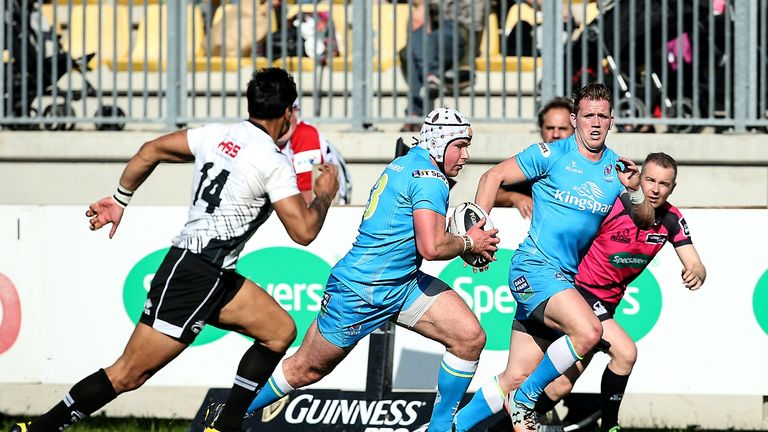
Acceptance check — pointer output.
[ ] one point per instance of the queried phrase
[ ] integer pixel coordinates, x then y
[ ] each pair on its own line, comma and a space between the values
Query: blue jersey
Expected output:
384, 252
571, 197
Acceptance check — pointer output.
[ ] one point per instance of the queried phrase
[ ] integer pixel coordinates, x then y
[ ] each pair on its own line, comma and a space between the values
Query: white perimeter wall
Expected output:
71, 319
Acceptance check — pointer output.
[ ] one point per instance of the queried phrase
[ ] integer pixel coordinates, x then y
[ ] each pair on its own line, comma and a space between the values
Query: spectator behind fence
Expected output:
307, 148
554, 121
443, 23
226, 38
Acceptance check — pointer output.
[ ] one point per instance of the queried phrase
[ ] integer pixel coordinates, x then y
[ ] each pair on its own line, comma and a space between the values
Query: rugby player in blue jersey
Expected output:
379, 278
575, 183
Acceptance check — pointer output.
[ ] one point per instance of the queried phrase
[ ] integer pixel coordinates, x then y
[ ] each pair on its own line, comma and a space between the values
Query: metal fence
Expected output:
680, 65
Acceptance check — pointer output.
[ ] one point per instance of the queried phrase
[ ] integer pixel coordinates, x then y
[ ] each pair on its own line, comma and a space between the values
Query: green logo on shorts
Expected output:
137, 285
488, 295
294, 277
641, 306
760, 302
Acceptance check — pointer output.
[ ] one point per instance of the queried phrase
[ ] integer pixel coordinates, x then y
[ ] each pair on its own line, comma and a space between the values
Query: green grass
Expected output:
106, 424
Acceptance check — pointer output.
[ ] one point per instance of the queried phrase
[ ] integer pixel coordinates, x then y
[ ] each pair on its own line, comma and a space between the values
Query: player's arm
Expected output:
303, 222
641, 210
172, 147
505, 172
519, 200
435, 243
694, 273
307, 195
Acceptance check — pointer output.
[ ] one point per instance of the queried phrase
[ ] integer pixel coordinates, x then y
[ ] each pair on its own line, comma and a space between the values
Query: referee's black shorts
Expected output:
186, 293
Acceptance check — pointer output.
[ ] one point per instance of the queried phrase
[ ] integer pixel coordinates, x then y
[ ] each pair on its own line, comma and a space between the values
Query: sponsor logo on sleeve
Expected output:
684, 227
430, 174
656, 238
544, 148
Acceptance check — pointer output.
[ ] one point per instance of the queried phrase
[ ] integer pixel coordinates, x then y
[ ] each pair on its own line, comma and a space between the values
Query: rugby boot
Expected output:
524, 419
212, 413
20, 427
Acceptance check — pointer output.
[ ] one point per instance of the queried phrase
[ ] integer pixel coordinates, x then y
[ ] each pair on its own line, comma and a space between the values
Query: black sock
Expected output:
255, 368
611, 393
83, 399
544, 404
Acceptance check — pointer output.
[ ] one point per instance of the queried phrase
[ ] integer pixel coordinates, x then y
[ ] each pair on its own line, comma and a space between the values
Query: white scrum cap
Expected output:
441, 127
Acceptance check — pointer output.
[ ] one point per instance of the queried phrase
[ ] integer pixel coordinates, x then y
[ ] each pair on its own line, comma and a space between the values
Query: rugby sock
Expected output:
83, 399
559, 357
486, 402
275, 389
544, 404
255, 366
452, 382
612, 389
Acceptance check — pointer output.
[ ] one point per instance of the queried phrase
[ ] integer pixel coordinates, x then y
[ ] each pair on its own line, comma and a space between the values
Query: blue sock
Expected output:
275, 389
488, 400
452, 382
559, 357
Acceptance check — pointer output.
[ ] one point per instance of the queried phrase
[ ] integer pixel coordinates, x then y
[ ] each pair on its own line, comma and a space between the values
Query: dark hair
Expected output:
593, 92
558, 102
663, 160
270, 91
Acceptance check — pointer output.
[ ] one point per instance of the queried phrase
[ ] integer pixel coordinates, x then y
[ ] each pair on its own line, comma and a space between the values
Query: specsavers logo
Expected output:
640, 308
628, 260
760, 302
488, 295
293, 277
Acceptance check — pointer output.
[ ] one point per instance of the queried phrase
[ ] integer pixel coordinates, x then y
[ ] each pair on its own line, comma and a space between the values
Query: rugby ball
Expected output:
465, 215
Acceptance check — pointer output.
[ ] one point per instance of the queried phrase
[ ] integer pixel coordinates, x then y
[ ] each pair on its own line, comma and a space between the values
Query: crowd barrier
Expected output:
672, 65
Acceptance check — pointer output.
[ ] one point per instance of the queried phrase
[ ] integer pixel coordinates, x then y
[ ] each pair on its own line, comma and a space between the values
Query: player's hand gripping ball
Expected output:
466, 215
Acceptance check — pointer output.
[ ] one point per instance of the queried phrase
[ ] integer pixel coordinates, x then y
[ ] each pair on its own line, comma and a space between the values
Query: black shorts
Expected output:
186, 293
535, 326
602, 309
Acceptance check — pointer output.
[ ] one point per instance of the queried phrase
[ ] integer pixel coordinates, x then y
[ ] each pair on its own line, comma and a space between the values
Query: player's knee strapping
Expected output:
275, 389
486, 402
452, 382
559, 357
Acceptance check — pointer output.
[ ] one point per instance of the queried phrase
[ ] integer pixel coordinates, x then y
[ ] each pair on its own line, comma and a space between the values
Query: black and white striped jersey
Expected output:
239, 173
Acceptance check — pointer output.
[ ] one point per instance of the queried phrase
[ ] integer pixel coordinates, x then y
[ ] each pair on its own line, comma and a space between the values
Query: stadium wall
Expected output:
74, 287
716, 170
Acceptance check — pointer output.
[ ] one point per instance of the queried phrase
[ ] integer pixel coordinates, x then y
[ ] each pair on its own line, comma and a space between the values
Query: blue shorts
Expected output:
345, 317
533, 280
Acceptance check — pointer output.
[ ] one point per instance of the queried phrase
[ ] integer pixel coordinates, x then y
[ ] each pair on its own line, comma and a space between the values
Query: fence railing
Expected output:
672, 64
